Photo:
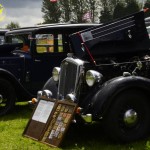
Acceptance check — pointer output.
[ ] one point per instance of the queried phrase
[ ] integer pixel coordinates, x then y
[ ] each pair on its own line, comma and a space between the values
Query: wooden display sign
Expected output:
58, 123
50, 121
39, 119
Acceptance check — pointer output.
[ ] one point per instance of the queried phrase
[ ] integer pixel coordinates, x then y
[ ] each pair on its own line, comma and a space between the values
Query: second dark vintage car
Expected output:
108, 76
27, 58
2, 35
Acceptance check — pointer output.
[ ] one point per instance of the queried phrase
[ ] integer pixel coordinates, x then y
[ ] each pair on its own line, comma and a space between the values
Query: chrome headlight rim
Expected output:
47, 93
70, 97
92, 77
56, 73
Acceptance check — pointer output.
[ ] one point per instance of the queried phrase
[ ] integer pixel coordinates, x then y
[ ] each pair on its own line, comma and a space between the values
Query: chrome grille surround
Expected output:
71, 71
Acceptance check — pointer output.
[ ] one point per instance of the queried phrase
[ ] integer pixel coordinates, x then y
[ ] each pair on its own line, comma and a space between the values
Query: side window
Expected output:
49, 43
60, 43
44, 43
1, 39
21, 39
148, 30
17, 40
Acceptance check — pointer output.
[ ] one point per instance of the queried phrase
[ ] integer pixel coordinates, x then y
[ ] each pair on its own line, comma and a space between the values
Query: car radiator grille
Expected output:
68, 79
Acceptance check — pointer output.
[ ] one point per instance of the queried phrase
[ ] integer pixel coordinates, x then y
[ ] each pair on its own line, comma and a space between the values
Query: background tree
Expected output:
113, 9
106, 11
147, 5
119, 10
51, 11
79, 8
12, 25
105, 15
115, 2
132, 6
66, 10
93, 7
74, 10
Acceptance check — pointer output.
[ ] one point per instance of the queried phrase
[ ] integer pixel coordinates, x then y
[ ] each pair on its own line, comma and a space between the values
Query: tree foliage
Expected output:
120, 7
132, 7
80, 7
68, 10
12, 25
74, 10
51, 12
106, 12
105, 15
93, 6
117, 9
147, 5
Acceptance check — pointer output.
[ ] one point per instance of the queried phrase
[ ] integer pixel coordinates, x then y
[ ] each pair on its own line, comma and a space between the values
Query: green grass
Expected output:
85, 137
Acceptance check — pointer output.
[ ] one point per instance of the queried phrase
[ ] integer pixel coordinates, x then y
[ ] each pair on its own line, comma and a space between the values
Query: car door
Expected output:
50, 50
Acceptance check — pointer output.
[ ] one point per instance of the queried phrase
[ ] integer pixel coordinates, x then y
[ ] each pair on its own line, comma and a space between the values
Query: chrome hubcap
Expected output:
130, 117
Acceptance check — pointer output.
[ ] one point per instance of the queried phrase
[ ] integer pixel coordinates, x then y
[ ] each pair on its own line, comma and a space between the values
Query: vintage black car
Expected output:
108, 76
2, 35
27, 58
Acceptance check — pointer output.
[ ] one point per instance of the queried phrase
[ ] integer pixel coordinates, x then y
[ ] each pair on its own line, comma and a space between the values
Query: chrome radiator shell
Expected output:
70, 75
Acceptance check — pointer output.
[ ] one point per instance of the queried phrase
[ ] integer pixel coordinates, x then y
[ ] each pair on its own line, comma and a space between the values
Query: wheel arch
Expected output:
103, 99
52, 86
20, 91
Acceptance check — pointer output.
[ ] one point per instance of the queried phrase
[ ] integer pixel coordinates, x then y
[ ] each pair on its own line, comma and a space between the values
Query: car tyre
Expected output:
128, 117
7, 97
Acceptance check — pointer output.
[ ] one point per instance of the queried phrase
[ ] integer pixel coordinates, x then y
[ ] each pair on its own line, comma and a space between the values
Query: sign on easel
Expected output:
50, 121
58, 123
40, 116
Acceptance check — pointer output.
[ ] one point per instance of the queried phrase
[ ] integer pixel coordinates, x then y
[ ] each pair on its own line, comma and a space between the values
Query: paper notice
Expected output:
43, 111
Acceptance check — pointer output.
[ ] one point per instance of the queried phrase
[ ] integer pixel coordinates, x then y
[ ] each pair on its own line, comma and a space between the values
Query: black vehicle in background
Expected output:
2, 35
27, 58
108, 76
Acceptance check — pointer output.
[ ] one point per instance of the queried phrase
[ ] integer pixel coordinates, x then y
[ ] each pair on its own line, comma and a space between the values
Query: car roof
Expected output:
45, 27
3, 31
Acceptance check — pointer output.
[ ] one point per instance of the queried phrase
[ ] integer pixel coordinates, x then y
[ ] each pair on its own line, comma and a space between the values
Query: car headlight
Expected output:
55, 73
92, 77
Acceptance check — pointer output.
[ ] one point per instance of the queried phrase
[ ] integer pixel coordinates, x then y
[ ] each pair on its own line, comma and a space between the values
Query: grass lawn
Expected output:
86, 137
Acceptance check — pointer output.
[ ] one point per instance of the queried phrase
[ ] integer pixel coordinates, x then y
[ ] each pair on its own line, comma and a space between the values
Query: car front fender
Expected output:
52, 86
105, 96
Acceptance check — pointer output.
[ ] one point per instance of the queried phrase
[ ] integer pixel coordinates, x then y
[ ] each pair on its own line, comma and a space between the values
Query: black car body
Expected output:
27, 58
108, 76
2, 35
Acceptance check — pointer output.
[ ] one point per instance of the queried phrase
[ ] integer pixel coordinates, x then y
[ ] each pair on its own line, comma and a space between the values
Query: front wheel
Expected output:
7, 97
128, 118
